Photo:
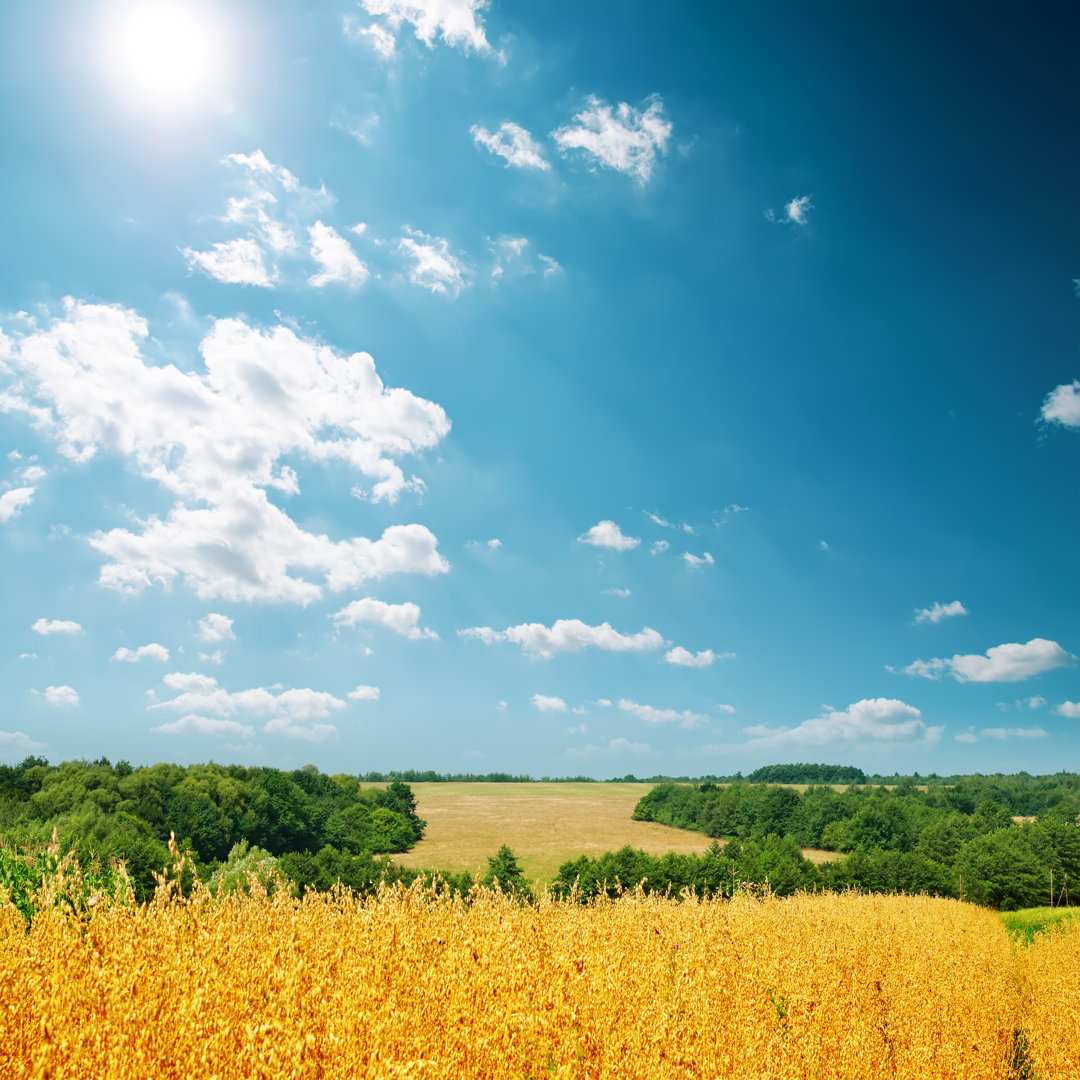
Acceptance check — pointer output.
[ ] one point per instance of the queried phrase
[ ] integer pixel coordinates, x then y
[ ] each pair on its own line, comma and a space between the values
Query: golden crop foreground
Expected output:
406, 984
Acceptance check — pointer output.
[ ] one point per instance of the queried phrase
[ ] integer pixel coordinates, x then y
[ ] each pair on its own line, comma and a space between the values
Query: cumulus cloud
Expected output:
940, 611
13, 501
214, 440
795, 212
340, 264
62, 696
215, 627
1062, 405
1002, 663
292, 713
650, 715
694, 561
620, 137
548, 704
1071, 709
512, 143
434, 266
233, 262
363, 693
685, 658
56, 626
884, 720
659, 547
606, 534
19, 742
457, 22
205, 725
153, 651
615, 748
403, 619
567, 635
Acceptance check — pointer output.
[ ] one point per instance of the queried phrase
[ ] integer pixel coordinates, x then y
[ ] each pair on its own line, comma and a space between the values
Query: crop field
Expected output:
544, 824
407, 984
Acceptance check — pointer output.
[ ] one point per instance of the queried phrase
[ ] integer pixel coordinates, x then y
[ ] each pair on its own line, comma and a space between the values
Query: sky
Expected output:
557, 389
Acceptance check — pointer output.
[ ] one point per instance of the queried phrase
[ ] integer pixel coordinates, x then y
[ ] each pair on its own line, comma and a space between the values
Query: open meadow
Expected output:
543, 823
817, 987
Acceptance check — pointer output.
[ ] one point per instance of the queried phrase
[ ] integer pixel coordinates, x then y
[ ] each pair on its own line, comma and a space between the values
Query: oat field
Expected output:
407, 984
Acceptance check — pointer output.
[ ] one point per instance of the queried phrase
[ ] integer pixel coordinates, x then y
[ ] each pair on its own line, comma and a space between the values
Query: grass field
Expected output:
544, 825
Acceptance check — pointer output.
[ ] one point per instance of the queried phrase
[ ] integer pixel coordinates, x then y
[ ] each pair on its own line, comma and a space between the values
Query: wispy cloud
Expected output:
795, 212
619, 137
513, 143
456, 22
434, 266
697, 561
940, 611
340, 264
567, 635
650, 715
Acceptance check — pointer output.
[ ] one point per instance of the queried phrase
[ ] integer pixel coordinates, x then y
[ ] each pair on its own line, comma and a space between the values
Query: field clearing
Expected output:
819, 987
544, 825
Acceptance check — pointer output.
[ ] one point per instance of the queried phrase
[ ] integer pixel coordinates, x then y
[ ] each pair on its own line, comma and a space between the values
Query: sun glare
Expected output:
164, 55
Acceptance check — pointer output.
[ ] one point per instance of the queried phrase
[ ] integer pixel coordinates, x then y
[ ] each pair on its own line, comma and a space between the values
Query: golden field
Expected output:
408, 984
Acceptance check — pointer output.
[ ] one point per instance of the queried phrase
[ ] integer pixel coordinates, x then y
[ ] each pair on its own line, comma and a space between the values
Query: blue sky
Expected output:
403, 384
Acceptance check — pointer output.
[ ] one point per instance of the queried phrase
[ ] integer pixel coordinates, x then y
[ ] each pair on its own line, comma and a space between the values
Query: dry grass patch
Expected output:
544, 824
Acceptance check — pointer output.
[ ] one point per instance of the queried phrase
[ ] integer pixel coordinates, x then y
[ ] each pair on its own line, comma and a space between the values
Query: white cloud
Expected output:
153, 651
62, 696
364, 693
56, 626
32, 474
16, 740
1036, 702
457, 22
622, 138
885, 720
361, 128
1002, 663
615, 748
551, 266
1062, 405
215, 440
510, 256
579, 729
234, 262
823, 545
968, 736
694, 561
567, 635
403, 619
28, 656
335, 255
548, 704
658, 520
940, 611
494, 543
735, 508
796, 212
13, 501
1071, 709
215, 627
216, 657
500, 705
382, 41
292, 713
605, 702
193, 724
623, 593
650, 715
512, 143
258, 164
606, 534
659, 547
434, 267
685, 658
1013, 733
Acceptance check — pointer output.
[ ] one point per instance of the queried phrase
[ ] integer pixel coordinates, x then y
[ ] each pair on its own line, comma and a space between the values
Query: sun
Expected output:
164, 55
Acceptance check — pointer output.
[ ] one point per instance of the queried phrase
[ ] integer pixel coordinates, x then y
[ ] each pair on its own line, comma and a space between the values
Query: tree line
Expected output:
962, 840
